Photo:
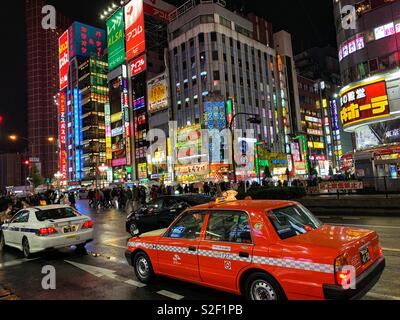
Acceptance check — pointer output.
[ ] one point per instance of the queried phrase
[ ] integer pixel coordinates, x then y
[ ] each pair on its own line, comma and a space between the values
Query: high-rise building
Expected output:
42, 85
222, 64
82, 99
138, 82
13, 170
369, 55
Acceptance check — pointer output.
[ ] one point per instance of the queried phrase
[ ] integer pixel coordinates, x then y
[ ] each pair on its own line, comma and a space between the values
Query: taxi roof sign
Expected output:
227, 196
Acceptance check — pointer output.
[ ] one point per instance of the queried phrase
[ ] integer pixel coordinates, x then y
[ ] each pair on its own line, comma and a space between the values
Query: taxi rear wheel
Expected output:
143, 268
2, 241
26, 248
260, 286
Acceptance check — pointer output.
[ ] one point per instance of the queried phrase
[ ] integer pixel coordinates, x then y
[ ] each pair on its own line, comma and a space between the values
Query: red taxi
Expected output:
264, 250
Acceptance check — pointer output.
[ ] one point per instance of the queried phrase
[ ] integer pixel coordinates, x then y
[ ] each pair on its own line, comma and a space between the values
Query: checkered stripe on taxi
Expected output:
294, 264
285, 263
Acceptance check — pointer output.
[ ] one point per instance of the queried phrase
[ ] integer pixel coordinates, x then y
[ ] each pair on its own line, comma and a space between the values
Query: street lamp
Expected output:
103, 168
254, 119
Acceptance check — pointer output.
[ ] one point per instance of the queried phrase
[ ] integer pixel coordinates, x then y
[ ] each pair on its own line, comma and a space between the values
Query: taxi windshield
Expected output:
293, 221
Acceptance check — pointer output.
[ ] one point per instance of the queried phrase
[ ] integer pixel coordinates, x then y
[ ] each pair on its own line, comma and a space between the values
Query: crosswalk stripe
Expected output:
135, 283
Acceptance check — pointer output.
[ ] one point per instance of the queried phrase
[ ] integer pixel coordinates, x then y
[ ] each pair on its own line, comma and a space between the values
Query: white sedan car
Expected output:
38, 229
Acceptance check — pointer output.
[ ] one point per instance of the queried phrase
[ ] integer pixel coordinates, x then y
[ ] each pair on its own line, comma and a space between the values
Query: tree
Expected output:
36, 177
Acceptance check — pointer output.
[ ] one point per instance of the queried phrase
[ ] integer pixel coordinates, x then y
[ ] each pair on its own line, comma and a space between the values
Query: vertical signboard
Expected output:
107, 119
63, 59
157, 93
116, 39
77, 134
134, 29
63, 135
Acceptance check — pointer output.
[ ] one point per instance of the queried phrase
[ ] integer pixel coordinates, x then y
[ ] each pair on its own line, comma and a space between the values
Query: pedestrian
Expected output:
71, 199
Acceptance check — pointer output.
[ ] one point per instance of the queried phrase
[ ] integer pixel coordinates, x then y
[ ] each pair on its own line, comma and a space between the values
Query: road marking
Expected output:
115, 245
391, 249
102, 272
170, 294
15, 263
135, 283
381, 296
366, 226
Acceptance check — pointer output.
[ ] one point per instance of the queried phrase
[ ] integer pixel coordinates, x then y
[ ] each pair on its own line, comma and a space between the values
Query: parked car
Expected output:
264, 250
160, 214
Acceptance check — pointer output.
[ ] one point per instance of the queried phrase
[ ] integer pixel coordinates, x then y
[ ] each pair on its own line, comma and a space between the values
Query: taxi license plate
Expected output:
69, 229
365, 256
71, 237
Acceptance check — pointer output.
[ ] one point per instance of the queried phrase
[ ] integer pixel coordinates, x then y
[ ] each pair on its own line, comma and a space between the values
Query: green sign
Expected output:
116, 39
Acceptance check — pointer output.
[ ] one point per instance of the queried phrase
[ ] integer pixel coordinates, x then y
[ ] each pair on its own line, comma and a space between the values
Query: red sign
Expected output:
134, 29
158, 9
138, 65
63, 135
364, 102
345, 185
63, 59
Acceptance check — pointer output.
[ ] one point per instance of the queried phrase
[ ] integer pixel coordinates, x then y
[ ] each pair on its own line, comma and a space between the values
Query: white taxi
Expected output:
44, 228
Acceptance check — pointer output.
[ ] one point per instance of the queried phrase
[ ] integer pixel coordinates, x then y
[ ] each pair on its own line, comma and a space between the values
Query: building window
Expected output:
215, 55
225, 22
201, 38
213, 36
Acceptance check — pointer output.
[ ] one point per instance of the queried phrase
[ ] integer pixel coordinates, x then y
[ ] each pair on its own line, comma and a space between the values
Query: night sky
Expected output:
309, 21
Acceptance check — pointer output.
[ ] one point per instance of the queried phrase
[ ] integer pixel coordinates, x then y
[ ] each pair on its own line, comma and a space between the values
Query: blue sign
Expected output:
85, 40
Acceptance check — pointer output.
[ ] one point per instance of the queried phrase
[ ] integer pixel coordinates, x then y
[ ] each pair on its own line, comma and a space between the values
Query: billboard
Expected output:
63, 135
158, 9
138, 65
364, 102
116, 39
157, 93
63, 59
134, 29
85, 40
214, 114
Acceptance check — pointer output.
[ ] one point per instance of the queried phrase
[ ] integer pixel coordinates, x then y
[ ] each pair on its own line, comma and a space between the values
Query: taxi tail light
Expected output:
88, 225
42, 232
342, 277
380, 252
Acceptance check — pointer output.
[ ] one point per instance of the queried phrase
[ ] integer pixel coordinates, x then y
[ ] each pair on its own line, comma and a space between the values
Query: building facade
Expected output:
81, 104
42, 86
13, 171
219, 69
370, 99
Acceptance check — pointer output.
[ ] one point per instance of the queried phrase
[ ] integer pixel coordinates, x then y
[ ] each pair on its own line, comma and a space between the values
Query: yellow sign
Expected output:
157, 92
116, 117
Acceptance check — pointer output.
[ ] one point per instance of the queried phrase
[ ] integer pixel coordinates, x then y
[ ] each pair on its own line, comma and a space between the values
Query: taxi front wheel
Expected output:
143, 268
260, 286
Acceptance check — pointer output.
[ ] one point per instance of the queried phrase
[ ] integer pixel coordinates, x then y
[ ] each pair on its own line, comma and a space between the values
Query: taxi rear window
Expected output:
56, 214
293, 221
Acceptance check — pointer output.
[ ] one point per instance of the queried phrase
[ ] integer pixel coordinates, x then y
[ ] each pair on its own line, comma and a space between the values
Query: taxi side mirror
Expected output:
7, 222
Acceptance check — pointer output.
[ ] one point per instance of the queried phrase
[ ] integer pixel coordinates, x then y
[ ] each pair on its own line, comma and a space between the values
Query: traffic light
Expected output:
27, 163
1, 119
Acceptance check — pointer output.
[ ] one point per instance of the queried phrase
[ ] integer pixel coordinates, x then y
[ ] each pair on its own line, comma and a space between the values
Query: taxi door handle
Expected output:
244, 255
193, 249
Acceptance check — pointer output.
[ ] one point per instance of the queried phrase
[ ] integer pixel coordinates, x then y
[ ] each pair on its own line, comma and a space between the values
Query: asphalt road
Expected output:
103, 273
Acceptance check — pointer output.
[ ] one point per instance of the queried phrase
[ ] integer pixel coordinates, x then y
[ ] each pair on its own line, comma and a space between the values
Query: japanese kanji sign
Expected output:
364, 102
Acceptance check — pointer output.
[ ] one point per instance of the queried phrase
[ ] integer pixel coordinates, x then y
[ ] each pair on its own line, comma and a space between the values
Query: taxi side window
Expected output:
21, 217
187, 227
231, 227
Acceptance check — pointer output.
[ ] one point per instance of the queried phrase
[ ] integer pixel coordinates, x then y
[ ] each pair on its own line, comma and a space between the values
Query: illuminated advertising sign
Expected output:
384, 31
312, 119
335, 116
229, 111
158, 9
63, 59
134, 29
85, 40
107, 118
157, 93
214, 115
77, 132
142, 170
116, 117
138, 65
116, 39
138, 103
117, 132
63, 135
119, 162
364, 102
